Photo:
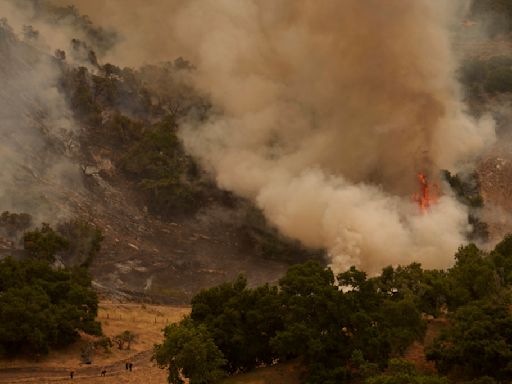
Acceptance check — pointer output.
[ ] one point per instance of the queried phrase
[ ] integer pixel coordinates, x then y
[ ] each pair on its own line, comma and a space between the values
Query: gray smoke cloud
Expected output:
327, 110
39, 136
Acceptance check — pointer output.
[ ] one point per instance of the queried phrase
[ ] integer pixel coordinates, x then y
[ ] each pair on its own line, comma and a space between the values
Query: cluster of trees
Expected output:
164, 171
308, 317
76, 242
349, 326
133, 113
42, 307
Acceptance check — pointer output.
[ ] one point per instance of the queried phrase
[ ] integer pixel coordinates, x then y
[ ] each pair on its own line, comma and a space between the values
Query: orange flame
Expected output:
427, 196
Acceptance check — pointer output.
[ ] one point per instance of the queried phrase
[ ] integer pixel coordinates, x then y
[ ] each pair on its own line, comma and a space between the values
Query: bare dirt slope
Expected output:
166, 260
416, 351
495, 175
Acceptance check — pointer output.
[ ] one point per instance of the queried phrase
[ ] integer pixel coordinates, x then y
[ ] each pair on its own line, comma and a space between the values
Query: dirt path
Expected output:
416, 351
47, 374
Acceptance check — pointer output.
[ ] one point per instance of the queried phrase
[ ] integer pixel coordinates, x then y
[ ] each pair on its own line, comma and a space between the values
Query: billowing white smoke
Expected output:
327, 110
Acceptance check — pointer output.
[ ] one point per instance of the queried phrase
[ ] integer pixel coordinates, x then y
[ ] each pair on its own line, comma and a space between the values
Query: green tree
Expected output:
125, 337
501, 256
428, 289
316, 323
164, 171
189, 351
473, 277
41, 307
241, 321
44, 243
477, 343
403, 372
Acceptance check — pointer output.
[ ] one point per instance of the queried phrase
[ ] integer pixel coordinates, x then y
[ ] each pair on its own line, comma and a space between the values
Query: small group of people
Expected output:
128, 366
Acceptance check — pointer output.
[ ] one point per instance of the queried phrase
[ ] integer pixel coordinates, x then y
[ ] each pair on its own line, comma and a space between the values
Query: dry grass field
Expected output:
144, 320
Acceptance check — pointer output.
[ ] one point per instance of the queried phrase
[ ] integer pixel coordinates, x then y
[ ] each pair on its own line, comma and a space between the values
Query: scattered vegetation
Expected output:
124, 339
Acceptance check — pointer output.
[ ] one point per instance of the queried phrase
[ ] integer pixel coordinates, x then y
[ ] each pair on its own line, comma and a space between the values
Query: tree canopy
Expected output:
42, 307
354, 327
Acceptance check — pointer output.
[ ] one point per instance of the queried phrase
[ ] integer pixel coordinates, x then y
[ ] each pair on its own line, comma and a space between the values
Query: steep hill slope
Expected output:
99, 143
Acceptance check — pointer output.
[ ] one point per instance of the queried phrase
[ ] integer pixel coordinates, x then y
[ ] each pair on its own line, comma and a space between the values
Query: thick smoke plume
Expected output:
37, 128
326, 112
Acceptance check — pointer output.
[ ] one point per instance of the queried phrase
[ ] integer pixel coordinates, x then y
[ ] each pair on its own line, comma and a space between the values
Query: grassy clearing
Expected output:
145, 321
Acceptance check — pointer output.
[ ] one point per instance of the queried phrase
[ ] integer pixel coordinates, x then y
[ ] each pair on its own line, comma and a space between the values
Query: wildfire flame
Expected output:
427, 195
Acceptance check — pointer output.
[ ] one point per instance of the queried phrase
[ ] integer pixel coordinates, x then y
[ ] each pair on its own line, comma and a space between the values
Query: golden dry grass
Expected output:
147, 322
144, 320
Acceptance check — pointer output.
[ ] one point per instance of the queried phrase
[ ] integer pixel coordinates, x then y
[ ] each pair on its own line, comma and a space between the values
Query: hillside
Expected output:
108, 148
102, 146
243, 192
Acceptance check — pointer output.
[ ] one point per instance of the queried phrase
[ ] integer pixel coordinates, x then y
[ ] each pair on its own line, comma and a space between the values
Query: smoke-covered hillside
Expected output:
324, 114
86, 142
209, 138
